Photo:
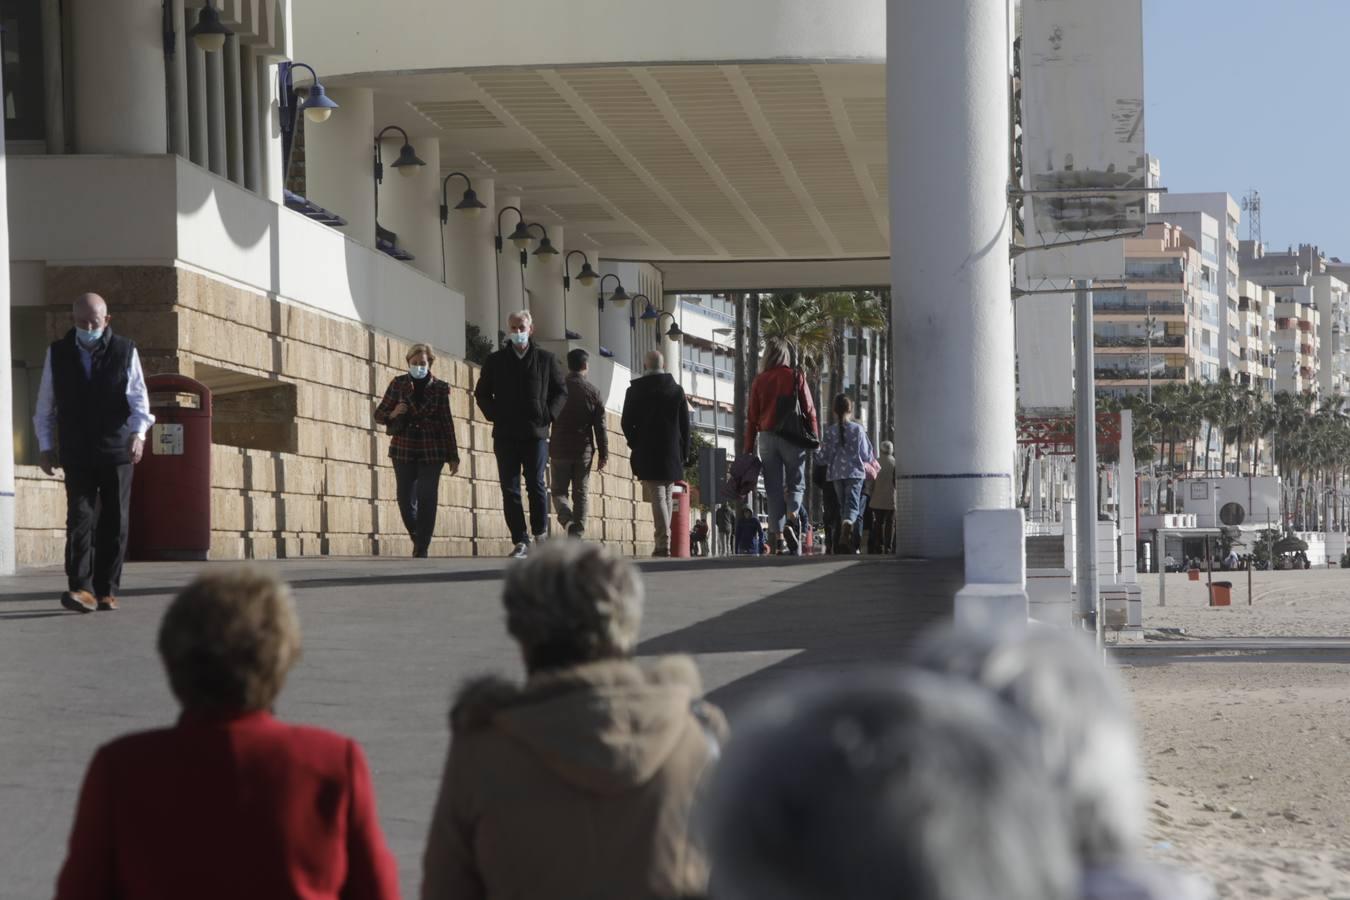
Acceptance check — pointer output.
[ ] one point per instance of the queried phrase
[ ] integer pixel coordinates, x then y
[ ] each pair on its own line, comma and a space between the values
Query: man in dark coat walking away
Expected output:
93, 412
521, 391
578, 436
656, 424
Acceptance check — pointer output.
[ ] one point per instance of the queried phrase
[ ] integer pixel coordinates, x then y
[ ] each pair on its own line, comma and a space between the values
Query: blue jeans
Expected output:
784, 477
528, 456
849, 492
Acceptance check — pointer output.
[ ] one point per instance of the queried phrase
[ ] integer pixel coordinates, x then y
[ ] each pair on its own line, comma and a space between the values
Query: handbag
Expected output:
790, 423
872, 468
743, 475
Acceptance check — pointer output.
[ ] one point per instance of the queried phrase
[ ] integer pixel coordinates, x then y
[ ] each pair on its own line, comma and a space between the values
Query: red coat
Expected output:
765, 390
237, 808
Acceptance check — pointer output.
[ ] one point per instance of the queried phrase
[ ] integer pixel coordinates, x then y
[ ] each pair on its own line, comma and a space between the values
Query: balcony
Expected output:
1132, 341
1167, 373
1116, 304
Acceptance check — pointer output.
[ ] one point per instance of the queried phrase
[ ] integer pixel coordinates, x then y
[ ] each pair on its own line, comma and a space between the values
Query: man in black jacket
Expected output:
93, 408
656, 423
521, 391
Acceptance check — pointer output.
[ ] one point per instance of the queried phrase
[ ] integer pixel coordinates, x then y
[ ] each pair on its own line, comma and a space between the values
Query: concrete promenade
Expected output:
385, 643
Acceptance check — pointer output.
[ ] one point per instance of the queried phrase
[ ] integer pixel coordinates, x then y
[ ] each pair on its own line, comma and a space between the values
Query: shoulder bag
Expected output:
790, 423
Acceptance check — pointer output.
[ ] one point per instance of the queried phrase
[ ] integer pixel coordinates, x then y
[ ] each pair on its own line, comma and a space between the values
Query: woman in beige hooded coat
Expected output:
581, 782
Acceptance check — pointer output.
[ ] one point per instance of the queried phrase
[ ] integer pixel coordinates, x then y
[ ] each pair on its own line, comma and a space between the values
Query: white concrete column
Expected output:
117, 63
614, 333
947, 113
543, 279
271, 180
583, 313
248, 93
198, 130
178, 123
234, 110
510, 286
217, 140
7, 504
672, 350
410, 205
53, 78
338, 164
469, 255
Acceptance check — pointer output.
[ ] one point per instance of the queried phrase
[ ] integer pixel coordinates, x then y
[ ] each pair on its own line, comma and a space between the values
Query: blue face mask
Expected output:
88, 336
520, 338
418, 372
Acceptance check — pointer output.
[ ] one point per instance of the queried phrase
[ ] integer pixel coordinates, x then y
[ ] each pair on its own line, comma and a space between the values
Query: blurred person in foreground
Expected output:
886, 785
229, 802
1087, 745
580, 782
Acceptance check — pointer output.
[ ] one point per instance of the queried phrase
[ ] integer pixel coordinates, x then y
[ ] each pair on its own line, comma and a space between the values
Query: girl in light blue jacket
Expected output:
846, 453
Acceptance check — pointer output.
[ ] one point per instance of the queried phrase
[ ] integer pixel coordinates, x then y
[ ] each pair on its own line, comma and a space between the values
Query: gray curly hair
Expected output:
572, 603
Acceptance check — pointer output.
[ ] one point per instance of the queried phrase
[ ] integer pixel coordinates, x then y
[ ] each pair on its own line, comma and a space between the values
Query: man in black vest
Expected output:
521, 391
94, 408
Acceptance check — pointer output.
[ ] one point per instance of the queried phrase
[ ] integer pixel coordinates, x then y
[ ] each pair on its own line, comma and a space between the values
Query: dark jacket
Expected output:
426, 432
92, 413
579, 429
521, 395
579, 784
656, 424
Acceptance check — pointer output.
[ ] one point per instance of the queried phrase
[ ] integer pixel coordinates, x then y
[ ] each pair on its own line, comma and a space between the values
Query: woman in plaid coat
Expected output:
416, 413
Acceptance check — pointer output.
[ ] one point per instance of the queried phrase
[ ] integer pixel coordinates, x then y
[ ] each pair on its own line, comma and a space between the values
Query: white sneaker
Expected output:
521, 551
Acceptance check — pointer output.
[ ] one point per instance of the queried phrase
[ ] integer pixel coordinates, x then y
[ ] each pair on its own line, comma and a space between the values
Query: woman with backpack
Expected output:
848, 458
782, 416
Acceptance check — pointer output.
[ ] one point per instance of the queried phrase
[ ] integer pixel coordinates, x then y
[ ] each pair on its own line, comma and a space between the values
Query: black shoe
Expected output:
419, 553
794, 544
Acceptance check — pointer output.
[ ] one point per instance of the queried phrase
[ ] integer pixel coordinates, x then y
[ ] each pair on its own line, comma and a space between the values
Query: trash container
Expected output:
1192, 574
171, 488
679, 519
1221, 593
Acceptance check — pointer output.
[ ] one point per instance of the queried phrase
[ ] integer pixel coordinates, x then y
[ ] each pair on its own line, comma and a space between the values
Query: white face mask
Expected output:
519, 338
88, 336
419, 372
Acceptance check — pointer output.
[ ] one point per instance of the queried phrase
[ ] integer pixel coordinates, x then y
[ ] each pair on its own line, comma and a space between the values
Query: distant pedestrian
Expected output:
229, 802
656, 424
882, 503
776, 390
93, 411
578, 437
725, 520
749, 533
581, 782
699, 536
521, 391
846, 452
416, 412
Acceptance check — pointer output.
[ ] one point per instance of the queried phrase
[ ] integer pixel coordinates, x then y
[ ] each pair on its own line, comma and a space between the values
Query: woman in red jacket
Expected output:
784, 461
228, 803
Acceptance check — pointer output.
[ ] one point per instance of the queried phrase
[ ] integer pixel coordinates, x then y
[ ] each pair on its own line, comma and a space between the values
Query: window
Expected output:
25, 100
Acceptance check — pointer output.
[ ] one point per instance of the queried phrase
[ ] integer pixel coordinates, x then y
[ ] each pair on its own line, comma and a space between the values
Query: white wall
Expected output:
432, 34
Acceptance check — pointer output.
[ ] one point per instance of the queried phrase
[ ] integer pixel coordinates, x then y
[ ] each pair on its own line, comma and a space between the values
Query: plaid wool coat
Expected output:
426, 433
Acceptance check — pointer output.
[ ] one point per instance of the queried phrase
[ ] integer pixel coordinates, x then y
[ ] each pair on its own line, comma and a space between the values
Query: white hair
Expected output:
885, 785
1087, 738
523, 316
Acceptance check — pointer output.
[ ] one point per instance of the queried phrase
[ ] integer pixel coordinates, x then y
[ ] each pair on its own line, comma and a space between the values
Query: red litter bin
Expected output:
171, 487
679, 519
1221, 593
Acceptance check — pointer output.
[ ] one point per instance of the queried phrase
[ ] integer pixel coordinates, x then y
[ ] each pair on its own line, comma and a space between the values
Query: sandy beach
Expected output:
1248, 753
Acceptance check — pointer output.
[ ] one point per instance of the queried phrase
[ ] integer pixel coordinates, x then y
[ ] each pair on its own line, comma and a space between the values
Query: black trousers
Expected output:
98, 500
530, 457
417, 487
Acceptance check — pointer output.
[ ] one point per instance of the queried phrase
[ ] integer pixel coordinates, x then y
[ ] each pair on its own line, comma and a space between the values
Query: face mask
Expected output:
418, 372
520, 338
88, 336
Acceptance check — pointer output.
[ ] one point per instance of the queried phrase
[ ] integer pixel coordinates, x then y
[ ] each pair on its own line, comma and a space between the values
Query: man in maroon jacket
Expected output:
578, 435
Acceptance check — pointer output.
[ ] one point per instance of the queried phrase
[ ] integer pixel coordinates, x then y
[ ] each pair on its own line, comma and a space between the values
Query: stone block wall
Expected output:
316, 481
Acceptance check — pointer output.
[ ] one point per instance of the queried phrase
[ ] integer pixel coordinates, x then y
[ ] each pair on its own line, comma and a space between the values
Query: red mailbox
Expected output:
171, 488
679, 519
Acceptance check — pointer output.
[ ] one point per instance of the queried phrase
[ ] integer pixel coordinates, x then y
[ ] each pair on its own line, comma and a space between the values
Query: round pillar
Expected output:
339, 163
614, 333
7, 501
544, 281
583, 313
118, 76
410, 205
955, 434
510, 280
470, 259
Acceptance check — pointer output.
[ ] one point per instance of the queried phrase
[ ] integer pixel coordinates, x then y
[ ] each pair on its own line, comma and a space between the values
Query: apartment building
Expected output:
1256, 338
708, 364
1161, 326
1212, 219
1304, 276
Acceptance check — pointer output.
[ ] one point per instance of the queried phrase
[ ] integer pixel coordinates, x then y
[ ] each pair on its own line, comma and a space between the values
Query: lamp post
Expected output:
586, 276
317, 107
648, 313
545, 247
521, 237
717, 410
209, 33
619, 297
469, 204
407, 164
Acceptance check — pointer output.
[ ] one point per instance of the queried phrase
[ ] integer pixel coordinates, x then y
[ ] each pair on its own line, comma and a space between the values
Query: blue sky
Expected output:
1243, 94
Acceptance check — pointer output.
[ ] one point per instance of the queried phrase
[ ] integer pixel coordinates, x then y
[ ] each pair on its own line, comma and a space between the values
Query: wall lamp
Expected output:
586, 276
408, 161
469, 204
317, 106
209, 33
520, 236
619, 297
545, 247
674, 332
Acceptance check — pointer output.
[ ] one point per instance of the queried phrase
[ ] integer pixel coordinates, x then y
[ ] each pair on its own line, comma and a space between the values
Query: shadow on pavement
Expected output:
860, 615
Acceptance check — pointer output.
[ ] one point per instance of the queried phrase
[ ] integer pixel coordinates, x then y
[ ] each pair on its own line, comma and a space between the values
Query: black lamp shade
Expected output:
674, 333
546, 247
587, 275
318, 106
470, 203
407, 161
209, 33
521, 237
619, 295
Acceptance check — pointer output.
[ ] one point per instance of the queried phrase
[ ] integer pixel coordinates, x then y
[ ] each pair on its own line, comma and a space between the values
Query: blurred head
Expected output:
777, 352
653, 361
887, 448
578, 361
1086, 737
572, 603
881, 786
842, 406
228, 640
